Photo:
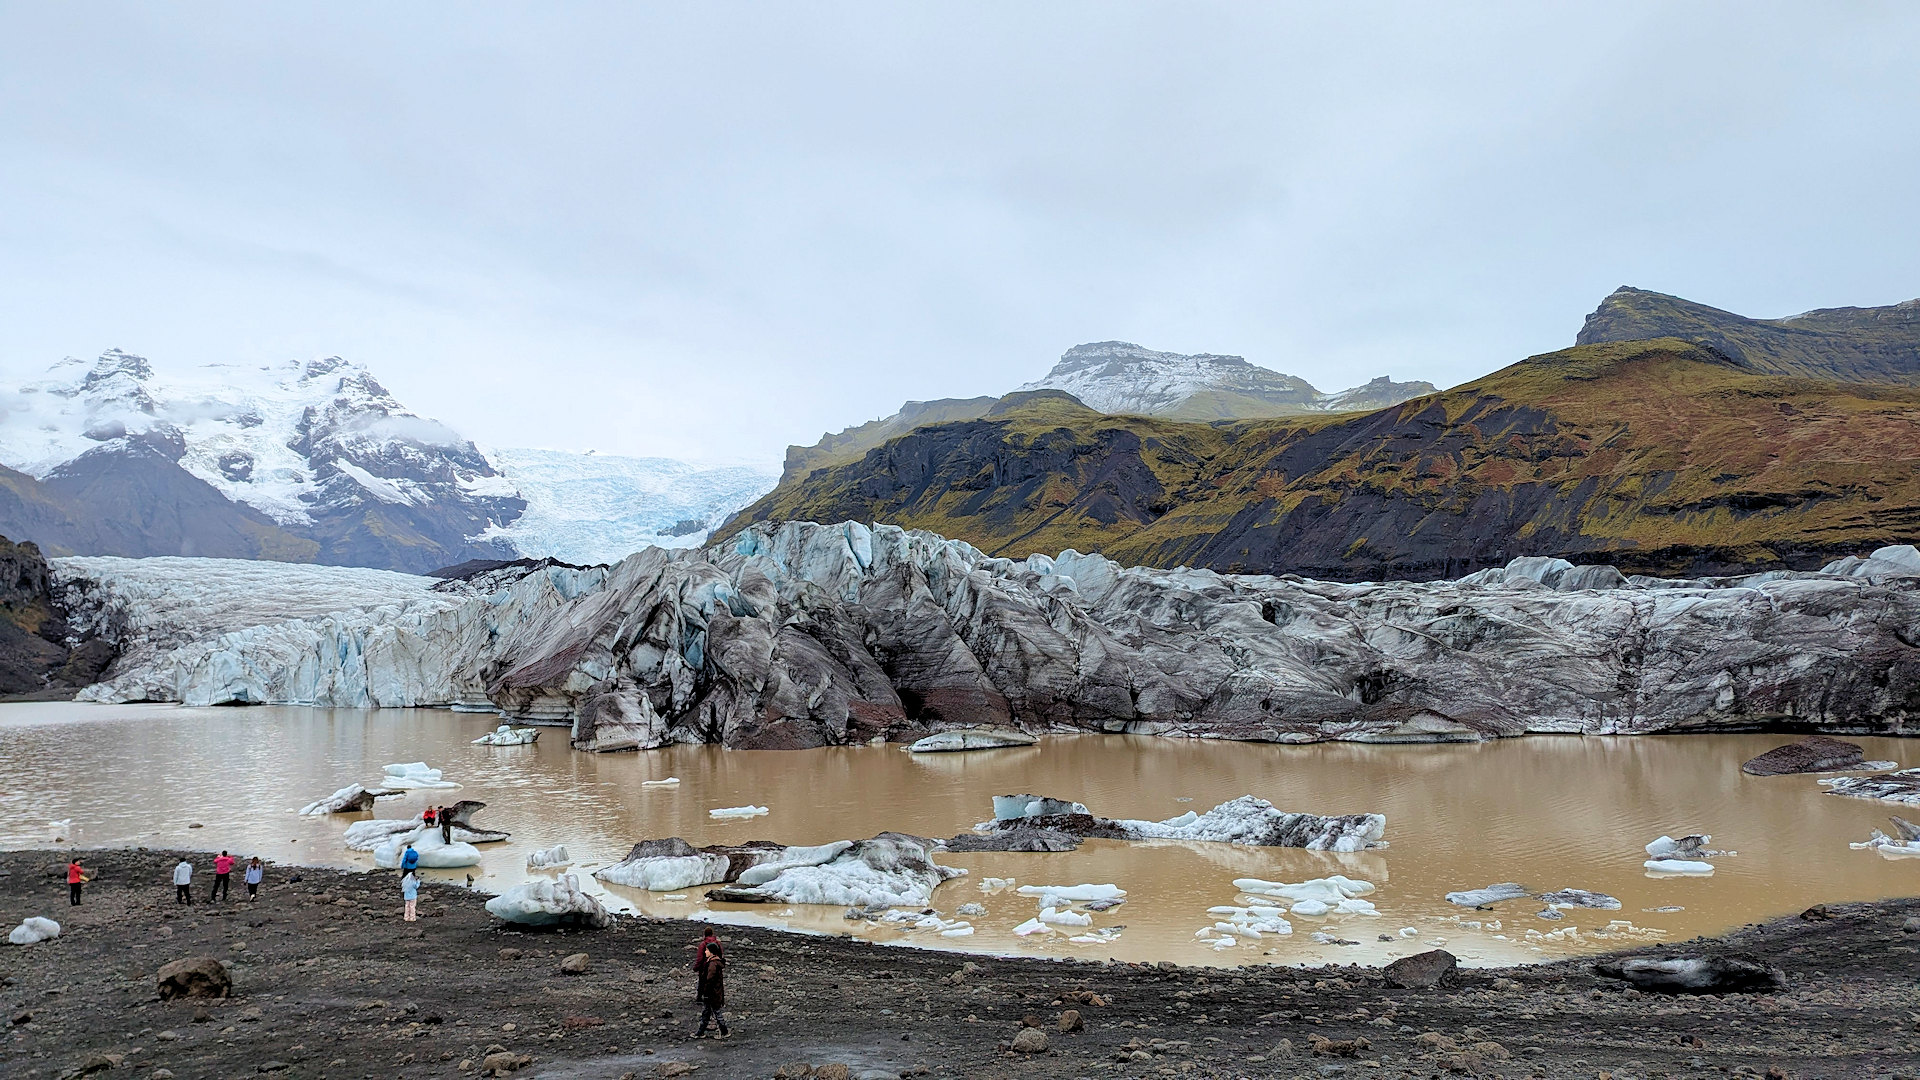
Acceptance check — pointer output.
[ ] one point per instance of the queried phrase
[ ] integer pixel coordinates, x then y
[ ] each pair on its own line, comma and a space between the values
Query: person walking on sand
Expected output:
222, 877
710, 967
183, 883
255, 874
75, 878
410, 892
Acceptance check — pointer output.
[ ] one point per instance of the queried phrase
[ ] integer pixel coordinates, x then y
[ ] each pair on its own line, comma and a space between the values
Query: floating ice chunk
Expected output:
1014, 807
33, 930
1693, 846
1692, 867
1492, 894
1056, 895
1900, 787
972, 910
1096, 937
674, 896
60, 832
543, 903
435, 854
738, 812
888, 870
957, 931
1247, 820
1327, 890
351, 799
508, 735
671, 781
548, 858
414, 774
994, 884
1032, 926
1311, 907
668, 872
1064, 918
1408, 931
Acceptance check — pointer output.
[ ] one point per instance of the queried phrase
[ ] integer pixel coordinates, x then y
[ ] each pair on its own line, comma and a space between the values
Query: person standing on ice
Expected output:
446, 826
710, 967
409, 892
75, 878
222, 877
183, 883
255, 874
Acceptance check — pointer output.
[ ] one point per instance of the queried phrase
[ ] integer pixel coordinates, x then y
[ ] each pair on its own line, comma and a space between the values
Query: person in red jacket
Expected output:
75, 877
222, 876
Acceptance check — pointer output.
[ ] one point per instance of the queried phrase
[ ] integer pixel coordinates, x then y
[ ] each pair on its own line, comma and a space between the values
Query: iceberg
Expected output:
370, 834
1056, 895
1579, 898
1692, 867
34, 930
1898, 787
548, 858
1030, 927
508, 735
671, 865
435, 854
1905, 842
414, 774
888, 870
352, 799
738, 812
1692, 846
545, 903
671, 781
1334, 895
1057, 917
1245, 820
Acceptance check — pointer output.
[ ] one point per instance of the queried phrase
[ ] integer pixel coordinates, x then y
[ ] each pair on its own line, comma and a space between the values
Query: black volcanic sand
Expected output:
329, 982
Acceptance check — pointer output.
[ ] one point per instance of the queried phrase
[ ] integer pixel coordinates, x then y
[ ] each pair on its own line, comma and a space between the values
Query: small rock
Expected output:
202, 1016
271, 1066
195, 976
1030, 1041
162, 1074
833, 1070
23, 1017
1070, 1021
100, 1063
1912, 925
510, 954
1817, 913
793, 1070
1505, 986
502, 1062
675, 1068
1326, 1047
575, 964
168, 1036
1421, 970
1492, 1050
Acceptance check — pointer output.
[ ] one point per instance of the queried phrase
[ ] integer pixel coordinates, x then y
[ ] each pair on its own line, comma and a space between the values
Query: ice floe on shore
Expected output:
33, 930
548, 902
435, 853
548, 858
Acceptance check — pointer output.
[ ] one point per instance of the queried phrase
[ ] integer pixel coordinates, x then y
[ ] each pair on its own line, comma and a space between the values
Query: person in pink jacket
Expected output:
222, 877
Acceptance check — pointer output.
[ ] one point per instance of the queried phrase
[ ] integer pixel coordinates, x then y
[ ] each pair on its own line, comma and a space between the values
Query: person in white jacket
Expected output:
183, 883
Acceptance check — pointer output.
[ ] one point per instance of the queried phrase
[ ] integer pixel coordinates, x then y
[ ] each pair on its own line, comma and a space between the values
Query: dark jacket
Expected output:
711, 967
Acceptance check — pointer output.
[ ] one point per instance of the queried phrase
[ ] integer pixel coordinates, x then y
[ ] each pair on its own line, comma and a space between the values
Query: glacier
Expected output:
600, 508
799, 634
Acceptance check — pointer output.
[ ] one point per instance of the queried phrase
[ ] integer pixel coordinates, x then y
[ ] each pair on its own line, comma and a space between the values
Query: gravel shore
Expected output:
328, 982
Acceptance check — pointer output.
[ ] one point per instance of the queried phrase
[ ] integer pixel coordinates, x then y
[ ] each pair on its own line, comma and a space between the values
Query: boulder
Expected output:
1030, 1041
574, 964
1695, 975
1070, 1021
194, 976
1421, 970
1815, 753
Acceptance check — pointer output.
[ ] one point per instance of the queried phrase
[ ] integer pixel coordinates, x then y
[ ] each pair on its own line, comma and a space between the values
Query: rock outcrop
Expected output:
42, 655
1815, 753
801, 635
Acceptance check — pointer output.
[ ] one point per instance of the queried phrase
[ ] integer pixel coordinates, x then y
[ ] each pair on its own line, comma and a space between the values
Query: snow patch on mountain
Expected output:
1121, 377
595, 508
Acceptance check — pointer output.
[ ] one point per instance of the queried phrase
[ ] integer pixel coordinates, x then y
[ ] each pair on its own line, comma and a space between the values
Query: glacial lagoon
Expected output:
1550, 812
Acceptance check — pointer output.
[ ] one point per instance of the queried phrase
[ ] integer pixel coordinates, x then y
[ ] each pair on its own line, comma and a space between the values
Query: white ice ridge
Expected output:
414, 774
1334, 895
544, 902
738, 812
548, 858
34, 930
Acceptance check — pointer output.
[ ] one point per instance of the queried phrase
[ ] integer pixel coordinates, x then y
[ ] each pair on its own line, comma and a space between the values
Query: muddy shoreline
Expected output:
329, 982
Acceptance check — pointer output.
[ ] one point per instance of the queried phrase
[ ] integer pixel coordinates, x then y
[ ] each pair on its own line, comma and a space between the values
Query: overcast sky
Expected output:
709, 230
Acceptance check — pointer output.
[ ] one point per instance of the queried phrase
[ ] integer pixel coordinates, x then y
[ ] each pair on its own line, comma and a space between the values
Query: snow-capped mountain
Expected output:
1121, 377
594, 508
315, 462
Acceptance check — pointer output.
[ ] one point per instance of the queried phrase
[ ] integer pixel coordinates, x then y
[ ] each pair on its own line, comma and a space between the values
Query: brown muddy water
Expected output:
1550, 812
